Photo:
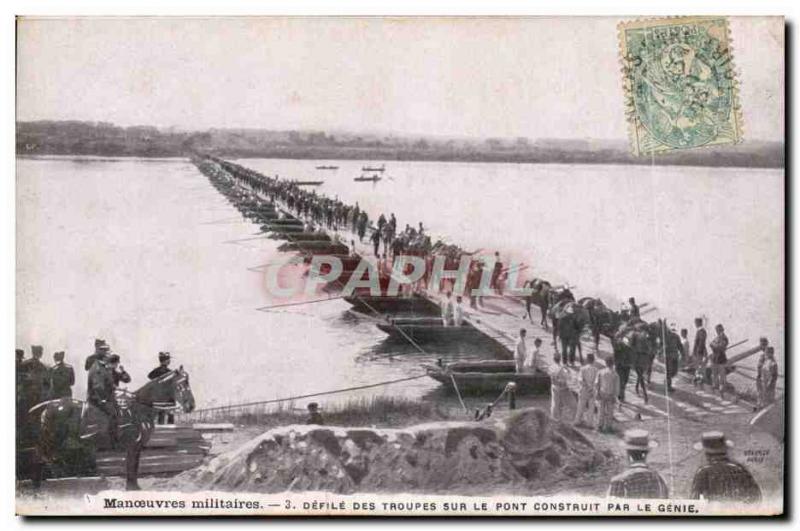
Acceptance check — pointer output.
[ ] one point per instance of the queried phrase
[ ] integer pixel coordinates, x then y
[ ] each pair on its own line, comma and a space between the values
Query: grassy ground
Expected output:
378, 411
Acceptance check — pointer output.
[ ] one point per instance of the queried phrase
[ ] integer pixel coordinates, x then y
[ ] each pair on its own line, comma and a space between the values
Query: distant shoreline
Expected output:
665, 160
99, 139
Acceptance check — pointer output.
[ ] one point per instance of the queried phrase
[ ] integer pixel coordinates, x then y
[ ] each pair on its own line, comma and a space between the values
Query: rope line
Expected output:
310, 395
458, 393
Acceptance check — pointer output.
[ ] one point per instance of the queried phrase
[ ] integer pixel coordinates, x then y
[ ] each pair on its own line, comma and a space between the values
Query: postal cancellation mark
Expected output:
679, 82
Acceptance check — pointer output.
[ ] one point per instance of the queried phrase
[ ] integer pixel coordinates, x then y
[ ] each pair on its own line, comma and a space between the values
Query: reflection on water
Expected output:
136, 253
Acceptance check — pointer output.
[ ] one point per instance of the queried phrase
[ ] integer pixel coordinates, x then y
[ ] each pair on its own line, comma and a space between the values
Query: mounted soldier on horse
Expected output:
66, 432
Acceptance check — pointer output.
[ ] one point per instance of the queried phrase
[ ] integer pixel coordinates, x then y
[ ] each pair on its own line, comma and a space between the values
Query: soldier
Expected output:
623, 361
103, 380
19, 355
20, 387
62, 378
672, 354
685, 348
98, 352
458, 311
607, 395
559, 392
699, 348
376, 241
634, 308
447, 309
768, 379
314, 416
722, 479
118, 372
639, 480
763, 343
35, 381
161, 370
496, 271
719, 360
534, 357
521, 351
587, 377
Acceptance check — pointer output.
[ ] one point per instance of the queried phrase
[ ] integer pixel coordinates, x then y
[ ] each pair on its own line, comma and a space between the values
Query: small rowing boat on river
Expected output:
380, 168
264, 217
308, 183
299, 236
327, 167
428, 330
282, 229
488, 377
285, 222
370, 179
314, 247
368, 304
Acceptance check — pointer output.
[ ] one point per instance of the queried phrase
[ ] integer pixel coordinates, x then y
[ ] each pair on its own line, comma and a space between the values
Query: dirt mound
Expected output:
527, 446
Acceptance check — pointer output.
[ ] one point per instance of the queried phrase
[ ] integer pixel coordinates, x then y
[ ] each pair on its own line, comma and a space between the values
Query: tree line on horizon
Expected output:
106, 139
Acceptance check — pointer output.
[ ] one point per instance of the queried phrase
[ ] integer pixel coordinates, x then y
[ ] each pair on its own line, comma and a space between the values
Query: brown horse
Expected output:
635, 346
61, 426
540, 296
569, 319
602, 319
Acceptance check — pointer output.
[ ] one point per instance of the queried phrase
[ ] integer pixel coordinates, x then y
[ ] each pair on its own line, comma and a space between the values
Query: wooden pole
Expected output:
512, 398
742, 355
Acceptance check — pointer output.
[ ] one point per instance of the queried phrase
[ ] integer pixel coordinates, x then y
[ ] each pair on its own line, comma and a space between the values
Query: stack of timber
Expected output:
170, 450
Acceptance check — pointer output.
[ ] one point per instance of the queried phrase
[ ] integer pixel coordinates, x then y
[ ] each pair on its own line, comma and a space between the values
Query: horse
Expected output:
540, 296
554, 296
602, 319
569, 320
65, 424
635, 344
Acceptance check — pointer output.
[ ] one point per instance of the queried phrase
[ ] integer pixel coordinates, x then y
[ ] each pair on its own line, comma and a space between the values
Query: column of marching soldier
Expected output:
37, 383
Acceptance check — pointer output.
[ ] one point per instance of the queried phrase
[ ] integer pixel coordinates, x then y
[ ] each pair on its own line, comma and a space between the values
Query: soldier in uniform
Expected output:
559, 389
672, 354
161, 370
763, 343
634, 308
104, 377
767, 379
20, 356
699, 351
607, 395
720, 478
118, 372
62, 378
639, 480
98, 352
314, 416
35, 381
719, 360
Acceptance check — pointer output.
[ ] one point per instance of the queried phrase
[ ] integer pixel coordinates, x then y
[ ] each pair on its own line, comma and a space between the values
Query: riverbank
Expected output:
380, 411
108, 140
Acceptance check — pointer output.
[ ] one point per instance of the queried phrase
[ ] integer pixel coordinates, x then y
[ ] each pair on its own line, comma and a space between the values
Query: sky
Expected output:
499, 77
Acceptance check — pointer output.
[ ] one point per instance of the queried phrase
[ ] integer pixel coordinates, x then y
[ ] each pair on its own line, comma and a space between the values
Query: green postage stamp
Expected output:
680, 84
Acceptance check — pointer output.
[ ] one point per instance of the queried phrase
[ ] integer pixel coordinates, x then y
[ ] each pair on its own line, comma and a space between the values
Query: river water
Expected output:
134, 251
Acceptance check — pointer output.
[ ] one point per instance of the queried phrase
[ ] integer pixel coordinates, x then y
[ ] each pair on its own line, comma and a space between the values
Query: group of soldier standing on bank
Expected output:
37, 382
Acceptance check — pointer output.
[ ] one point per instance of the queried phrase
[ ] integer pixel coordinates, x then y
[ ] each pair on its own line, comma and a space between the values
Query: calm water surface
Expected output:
135, 251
